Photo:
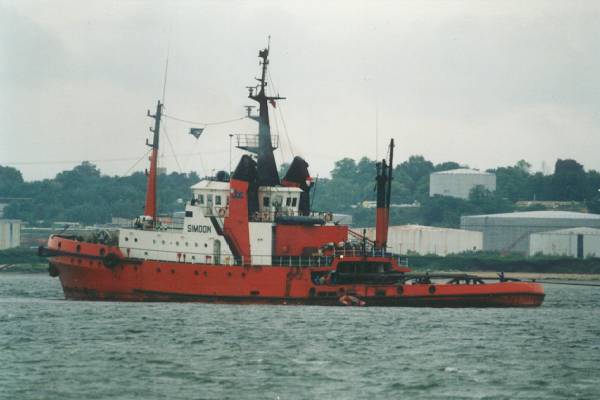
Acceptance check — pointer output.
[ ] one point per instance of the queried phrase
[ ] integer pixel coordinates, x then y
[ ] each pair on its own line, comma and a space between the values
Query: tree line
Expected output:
83, 194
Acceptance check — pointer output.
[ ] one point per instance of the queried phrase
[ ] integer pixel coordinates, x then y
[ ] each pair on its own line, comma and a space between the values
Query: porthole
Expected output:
153, 241
196, 244
135, 240
186, 244
157, 269
126, 239
432, 289
78, 248
196, 273
205, 245
176, 243
145, 253
173, 271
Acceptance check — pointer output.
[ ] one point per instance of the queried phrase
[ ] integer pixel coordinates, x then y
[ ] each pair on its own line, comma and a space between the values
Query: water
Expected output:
56, 349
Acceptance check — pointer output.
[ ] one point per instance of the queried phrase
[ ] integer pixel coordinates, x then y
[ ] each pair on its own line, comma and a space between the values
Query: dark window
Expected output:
288, 201
218, 200
189, 214
201, 198
579, 246
266, 202
294, 202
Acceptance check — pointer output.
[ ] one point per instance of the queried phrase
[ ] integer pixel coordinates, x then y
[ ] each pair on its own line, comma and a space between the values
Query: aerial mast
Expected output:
266, 166
150, 207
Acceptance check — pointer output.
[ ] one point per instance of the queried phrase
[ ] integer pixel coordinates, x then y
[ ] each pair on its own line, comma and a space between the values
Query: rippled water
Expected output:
56, 349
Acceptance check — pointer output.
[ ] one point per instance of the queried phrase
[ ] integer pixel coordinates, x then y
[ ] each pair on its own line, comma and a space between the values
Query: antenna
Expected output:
376, 134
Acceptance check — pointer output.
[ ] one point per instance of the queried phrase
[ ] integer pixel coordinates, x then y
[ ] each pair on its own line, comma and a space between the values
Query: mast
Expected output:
267, 168
150, 207
384, 193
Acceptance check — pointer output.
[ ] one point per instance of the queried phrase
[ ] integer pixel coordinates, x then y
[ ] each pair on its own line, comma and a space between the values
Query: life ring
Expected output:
328, 217
111, 260
432, 289
222, 212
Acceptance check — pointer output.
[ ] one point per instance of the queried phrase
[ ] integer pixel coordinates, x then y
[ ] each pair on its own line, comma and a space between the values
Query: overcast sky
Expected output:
481, 83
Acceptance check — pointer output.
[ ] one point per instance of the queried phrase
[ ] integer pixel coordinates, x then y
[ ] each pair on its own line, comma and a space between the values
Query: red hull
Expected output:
84, 276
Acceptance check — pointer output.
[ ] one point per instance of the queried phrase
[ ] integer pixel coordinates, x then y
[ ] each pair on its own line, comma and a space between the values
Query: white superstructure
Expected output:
200, 239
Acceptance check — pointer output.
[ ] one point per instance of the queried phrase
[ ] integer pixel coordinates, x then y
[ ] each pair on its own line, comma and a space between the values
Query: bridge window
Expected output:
218, 200
266, 201
294, 202
201, 198
189, 214
288, 201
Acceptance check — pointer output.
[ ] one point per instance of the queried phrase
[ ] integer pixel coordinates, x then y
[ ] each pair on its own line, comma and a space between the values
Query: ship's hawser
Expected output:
252, 238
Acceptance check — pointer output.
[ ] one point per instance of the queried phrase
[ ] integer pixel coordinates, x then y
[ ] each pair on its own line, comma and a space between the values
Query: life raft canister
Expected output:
111, 260
222, 212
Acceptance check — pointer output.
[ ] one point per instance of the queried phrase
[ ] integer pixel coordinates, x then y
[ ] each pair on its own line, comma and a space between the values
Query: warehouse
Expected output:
459, 182
574, 242
511, 231
10, 233
430, 240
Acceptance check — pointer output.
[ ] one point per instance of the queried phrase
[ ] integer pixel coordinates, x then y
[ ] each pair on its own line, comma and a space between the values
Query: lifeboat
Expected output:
251, 237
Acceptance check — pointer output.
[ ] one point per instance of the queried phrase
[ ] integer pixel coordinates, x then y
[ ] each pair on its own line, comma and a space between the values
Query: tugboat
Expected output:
252, 238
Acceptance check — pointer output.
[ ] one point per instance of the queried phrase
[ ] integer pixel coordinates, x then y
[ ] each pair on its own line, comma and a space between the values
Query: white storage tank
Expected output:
10, 233
575, 242
459, 182
430, 240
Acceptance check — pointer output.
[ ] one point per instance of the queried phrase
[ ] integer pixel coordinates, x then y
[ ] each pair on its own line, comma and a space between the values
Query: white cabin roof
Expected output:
212, 185
282, 189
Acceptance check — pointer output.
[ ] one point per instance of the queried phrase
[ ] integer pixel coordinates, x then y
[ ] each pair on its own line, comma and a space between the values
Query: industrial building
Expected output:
430, 240
10, 233
574, 242
459, 182
511, 231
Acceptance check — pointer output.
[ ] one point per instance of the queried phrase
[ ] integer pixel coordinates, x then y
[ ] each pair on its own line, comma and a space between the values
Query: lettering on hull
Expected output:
199, 228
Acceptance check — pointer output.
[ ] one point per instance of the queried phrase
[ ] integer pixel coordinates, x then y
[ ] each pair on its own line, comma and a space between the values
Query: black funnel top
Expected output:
246, 169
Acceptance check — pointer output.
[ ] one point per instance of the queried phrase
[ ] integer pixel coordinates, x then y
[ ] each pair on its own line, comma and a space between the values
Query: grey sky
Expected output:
482, 83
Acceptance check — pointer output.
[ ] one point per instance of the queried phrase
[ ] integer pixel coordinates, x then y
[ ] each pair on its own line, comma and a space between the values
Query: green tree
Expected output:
568, 181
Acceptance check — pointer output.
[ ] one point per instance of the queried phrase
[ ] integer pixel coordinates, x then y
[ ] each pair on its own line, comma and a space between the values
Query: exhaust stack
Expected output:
384, 193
